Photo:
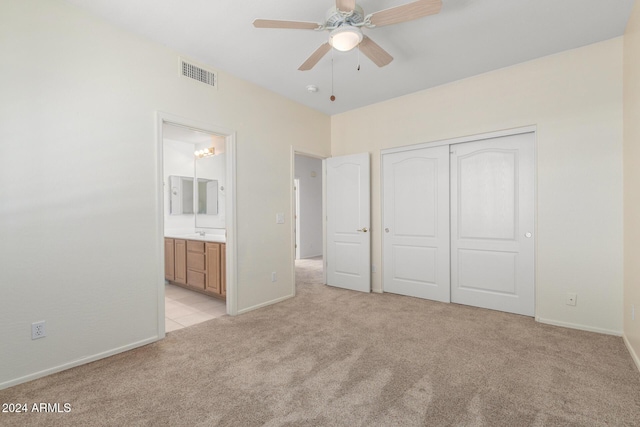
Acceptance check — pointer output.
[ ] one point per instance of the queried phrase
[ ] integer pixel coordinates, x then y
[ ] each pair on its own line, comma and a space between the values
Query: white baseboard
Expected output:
307, 256
264, 304
632, 352
75, 363
578, 326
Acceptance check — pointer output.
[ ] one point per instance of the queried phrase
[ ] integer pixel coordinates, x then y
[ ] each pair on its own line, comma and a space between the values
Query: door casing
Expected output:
303, 152
231, 223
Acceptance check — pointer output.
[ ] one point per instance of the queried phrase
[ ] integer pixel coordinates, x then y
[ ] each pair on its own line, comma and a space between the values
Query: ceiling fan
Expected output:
344, 21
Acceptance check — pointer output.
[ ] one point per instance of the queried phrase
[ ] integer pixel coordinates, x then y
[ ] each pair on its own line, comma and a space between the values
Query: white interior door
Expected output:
492, 223
348, 260
416, 223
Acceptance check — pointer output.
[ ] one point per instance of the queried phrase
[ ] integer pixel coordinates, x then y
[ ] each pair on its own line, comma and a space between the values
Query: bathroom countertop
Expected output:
219, 238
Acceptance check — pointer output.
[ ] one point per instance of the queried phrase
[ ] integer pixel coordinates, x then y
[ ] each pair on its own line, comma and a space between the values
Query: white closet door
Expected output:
492, 224
416, 223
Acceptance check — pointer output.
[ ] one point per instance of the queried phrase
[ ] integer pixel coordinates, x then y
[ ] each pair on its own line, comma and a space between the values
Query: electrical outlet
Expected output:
38, 330
274, 276
373, 268
571, 298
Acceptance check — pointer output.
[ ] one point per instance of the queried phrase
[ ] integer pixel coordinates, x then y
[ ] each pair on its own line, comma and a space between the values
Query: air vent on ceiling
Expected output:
199, 74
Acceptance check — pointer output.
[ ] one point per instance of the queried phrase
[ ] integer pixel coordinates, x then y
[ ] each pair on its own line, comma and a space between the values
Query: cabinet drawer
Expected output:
195, 279
195, 246
195, 261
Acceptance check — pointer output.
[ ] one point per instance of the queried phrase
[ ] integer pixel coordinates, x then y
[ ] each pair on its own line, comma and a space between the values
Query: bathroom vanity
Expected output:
197, 263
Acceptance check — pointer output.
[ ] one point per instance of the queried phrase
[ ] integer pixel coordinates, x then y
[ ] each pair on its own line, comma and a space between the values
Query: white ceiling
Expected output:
468, 37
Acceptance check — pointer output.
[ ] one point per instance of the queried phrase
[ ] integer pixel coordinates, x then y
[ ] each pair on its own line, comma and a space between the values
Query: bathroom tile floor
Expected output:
186, 308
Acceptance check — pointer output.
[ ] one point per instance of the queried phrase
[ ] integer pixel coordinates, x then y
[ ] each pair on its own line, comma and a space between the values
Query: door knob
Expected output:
527, 235
363, 229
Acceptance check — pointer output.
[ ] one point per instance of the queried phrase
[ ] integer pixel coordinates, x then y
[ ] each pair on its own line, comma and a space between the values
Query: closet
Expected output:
458, 222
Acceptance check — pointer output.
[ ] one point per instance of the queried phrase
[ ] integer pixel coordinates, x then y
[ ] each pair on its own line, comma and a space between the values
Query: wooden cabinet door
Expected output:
213, 267
169, 261
223, 269
180, 249
196, 264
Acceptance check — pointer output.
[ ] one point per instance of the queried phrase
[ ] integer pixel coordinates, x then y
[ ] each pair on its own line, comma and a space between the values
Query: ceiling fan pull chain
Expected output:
358, 58
332, 98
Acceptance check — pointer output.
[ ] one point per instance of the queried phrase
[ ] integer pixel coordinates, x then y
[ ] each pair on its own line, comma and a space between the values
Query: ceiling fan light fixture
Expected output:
345, 38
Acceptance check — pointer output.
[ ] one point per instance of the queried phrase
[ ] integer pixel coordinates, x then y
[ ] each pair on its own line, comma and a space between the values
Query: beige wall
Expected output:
632, 182
575, 100
79, 244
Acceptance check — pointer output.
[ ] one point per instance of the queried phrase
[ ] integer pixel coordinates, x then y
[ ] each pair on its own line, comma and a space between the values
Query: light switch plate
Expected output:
280, 218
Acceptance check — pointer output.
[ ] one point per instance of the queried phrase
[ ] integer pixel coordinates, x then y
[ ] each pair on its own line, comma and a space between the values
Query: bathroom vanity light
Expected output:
205, 152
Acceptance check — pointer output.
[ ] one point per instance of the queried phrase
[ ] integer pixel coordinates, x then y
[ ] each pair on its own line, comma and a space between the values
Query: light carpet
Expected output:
330, 357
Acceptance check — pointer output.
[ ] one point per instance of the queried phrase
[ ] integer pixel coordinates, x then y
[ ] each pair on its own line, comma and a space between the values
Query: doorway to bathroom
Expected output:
197, 222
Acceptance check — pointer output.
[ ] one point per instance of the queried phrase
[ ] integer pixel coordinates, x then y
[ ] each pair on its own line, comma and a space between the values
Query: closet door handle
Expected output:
363, 230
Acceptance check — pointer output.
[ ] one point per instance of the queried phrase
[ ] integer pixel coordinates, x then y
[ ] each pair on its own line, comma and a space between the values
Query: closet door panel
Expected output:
416, 223
492, 224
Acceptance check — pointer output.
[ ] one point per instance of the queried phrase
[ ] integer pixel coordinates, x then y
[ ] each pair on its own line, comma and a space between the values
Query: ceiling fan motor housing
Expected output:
335, 18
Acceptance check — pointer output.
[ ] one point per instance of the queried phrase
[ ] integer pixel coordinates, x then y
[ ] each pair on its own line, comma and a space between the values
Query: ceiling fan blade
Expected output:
315, 57
407, 12
375, 53
345, 5
294, 25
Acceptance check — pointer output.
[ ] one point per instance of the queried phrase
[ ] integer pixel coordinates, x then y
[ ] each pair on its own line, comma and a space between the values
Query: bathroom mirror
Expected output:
210, 173
180, 195
207, 196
